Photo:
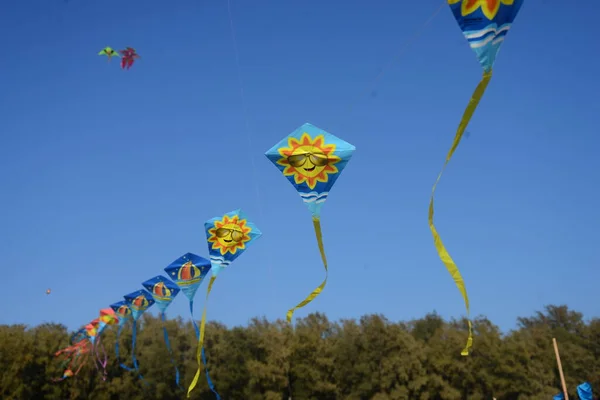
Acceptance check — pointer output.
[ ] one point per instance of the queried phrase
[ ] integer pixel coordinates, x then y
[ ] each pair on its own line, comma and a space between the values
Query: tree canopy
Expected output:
367, 359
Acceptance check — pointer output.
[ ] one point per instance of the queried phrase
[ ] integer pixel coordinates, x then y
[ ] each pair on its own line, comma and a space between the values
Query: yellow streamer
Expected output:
318, 290
441, 249
201, 340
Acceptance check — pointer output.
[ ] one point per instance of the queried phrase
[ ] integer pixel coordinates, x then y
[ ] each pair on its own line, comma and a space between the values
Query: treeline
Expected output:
369, 359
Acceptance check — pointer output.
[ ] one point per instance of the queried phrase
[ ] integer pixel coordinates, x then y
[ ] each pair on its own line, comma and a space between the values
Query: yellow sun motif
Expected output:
308, 160
489, 8
229, 235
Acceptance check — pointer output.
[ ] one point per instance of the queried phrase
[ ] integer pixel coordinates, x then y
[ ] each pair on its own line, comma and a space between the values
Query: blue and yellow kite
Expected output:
312, 160
484, 24
228, 236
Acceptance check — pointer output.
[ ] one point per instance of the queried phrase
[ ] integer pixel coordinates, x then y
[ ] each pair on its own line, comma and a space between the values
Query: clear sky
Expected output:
108, 175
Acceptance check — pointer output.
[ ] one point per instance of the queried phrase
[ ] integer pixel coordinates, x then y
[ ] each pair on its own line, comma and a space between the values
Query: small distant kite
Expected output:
108, 52
129, 55
48, 291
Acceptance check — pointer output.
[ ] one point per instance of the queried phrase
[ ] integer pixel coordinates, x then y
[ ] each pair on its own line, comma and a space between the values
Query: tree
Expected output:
372, 359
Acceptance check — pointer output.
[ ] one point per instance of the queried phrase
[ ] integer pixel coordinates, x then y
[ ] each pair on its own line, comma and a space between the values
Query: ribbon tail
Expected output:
133, 341
168, 343
103, 363
200, 351
319, 289
94, 359
81, 364
96, 356
194, 320
211, 385
125, 367
439, 245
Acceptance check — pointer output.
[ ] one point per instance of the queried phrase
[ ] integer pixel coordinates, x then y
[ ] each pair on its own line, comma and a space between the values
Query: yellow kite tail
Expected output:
318, 290
201, 340
439, 246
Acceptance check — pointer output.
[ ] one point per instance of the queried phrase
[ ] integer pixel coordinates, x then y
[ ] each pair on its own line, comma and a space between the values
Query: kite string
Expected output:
248, 131
402, 50
439, 245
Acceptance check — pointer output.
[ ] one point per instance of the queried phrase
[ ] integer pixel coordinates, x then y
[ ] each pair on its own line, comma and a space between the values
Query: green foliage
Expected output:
369, 359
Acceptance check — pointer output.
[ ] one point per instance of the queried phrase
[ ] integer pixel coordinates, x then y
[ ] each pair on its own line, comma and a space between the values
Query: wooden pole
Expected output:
560, 370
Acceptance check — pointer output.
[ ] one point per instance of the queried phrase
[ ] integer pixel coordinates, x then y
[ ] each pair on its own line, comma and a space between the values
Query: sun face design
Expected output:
489, 8
308, 160
229, 235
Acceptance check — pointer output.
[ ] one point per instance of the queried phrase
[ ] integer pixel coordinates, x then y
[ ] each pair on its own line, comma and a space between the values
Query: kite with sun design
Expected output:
484, 24
228, 237
312, 160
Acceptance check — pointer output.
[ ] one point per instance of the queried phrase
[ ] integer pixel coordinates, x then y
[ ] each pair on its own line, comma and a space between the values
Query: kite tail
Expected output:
65, 366
125, 367
133, 341
102, 363
96, 357
200, 355
81, 364
319, 289
441, 249
168, 343
194, 320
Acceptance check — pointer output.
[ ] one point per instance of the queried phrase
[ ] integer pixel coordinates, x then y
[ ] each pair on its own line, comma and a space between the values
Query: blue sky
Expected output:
108, 175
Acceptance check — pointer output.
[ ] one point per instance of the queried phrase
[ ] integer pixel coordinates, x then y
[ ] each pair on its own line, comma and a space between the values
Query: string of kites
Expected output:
312, 160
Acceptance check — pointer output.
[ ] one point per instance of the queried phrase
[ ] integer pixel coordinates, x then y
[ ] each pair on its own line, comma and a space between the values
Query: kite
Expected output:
138, 301
48, 291
584, 391
163, 292
82, 342
92, 330
228, 236
129, 57
188, 272
75, 359
312, 160
107, 317
77, 351
122, 309
484, 24
108, 52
